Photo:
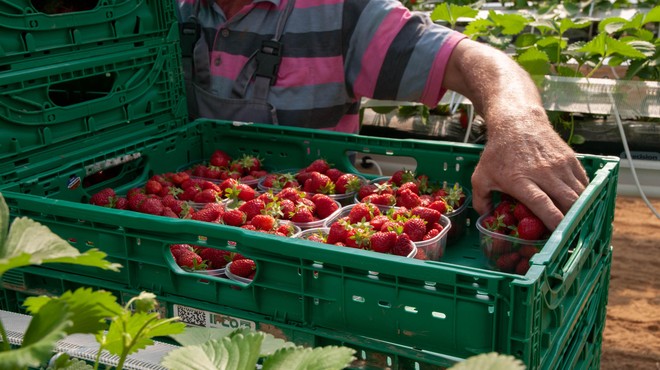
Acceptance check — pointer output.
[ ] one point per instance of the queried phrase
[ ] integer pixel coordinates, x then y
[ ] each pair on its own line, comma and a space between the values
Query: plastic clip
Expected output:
268, 59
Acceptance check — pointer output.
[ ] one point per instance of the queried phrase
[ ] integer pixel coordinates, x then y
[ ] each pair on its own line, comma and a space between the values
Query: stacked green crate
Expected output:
82, 78
414, 313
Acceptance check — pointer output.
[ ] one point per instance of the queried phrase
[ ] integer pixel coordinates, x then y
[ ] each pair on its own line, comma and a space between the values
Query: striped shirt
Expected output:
334, 53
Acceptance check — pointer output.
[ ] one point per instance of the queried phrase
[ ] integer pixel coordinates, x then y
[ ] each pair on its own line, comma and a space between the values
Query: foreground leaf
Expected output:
240, 352
321, 358
90, 308
45, 329
490, 361
129, 333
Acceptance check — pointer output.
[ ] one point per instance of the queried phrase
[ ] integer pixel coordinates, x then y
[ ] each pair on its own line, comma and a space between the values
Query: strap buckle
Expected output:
268, 59
190, 33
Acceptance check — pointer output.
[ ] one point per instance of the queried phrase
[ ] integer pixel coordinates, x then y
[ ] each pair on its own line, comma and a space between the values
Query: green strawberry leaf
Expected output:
90, 308
320, 358
511, 24
129, 333
478, 27
4, 226
605, 45
240, 352
451, 12
30, 243
535, 62
45, 329
195, 336
490, 361
652, 16
566, 24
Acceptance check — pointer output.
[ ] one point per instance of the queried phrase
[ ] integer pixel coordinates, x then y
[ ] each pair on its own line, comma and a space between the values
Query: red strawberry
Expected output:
363, 212
378, 221
347, 183
302, 214
508, 262
105, 198
209, 214
179, 178
366, 190
319, 183
521, 211
319, 165
531, 228
402, 176
152, 206
121, 203
153, 187
286, 229
407, 185
243, 267
522, 267
264, 222
407, 198
431, 216
190, 259
421, 254
245, 192
403, 245
338, 232
527, 251
415, 228
439, 205
220, 159
167, 212
317, 237
504, 207
234, 217
216, 258
334, 174
207, 196
177, 249
292, 194
325, 206
383, 241
252, 208
431, 234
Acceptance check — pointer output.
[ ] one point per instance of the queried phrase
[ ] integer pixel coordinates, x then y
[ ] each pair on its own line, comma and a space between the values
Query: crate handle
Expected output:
573, 265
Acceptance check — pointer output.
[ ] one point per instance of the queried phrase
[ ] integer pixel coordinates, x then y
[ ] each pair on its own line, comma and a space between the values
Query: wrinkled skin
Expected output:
523, 157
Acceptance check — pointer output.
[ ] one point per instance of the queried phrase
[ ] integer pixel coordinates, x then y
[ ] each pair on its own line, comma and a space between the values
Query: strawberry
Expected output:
366, 190
234, 217
220, 158
319, 183
439, 205
264, 222
521, 211
104, 198
243, 267
319, 165
407, 198
216, 258
207, 196
362, 212
252, 208
167, 212
338, 231
121, 203
403, 245
504, 207
286, 229
317, 237
178, 249
152, 206
415, 228
209, 214
508, 262
135, 201
325, 206
402, 176
302, 214
334, 174
292, 194
191, 260
407, 185
527, 251
421, 254
378, 221
431, 216
531, 228
250, 163
287, 208
347, 183
179, 178
245, 192
431, 234
522, 267
153, 187
383, 241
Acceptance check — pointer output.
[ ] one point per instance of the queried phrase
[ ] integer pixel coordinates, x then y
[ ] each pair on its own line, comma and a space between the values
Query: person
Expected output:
308, 63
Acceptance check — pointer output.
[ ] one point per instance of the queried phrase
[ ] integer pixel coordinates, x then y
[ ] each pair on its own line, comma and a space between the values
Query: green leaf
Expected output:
41, 245
64, 362
535, 62
90, 308
490, 361
129, 333
652, 16
605, 45
566, 24
577, 139
194, 336
45, 329
512, 24
240, 352
478, 27
320, 358
451, 12
544, 25
525, 40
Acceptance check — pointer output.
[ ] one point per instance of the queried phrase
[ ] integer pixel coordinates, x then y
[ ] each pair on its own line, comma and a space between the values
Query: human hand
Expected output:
530, 162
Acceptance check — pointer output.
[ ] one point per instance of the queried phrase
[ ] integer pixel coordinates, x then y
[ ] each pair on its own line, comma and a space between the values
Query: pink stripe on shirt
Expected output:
230, 65
374, 55
313, 3
310, 71
433, 91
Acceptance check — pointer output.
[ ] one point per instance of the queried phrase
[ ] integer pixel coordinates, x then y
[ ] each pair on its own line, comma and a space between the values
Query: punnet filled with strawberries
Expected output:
379, 271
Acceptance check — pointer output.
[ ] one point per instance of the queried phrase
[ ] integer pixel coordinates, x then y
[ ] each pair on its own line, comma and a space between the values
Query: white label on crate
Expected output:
226, 321
196, 317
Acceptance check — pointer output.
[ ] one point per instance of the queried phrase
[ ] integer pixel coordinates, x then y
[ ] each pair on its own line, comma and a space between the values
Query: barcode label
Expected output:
191, 316
196, 317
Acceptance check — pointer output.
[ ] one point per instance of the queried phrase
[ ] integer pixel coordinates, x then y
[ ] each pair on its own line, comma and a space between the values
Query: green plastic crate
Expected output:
450, 309
96, 99
580, 350
29, 37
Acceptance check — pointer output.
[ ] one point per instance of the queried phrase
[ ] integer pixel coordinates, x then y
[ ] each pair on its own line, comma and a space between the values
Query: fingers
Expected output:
482, 199
540, 203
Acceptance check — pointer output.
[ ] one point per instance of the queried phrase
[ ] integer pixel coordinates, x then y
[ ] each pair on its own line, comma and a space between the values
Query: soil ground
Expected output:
631, 339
